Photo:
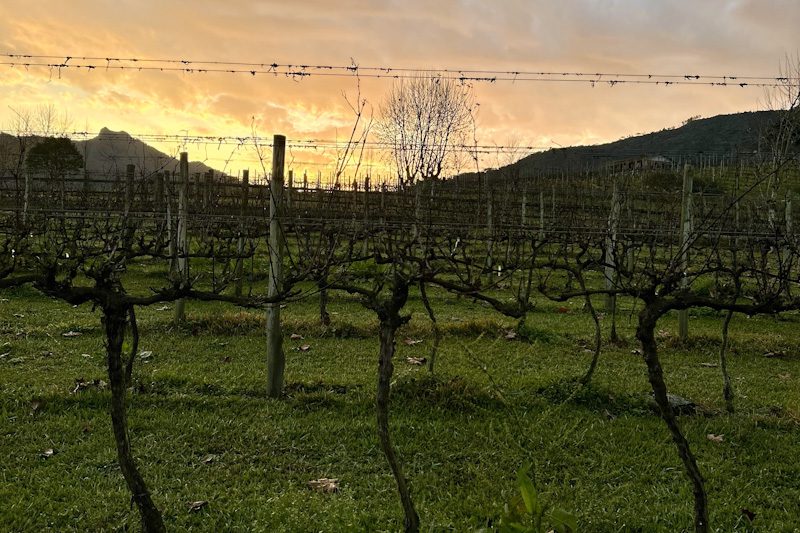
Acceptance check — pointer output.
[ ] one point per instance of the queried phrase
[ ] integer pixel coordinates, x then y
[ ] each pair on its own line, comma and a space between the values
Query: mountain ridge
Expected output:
720, 135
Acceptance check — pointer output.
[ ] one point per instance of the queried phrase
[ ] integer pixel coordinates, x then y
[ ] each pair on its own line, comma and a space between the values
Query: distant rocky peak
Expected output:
105, 132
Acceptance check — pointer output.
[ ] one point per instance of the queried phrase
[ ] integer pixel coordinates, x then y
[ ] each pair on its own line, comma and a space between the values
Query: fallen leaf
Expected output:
785, 376
750, 515
49, 452
296, 337
636, 351
419, 361
771, 355
71, 333
163, 308
46, 354
86, 355
562, 310
709, 365
303, 348
196, 506
19, 315
82, 384
208, 459
511, 335
408, 341
4, 355
715, 438
145, 355
324, 485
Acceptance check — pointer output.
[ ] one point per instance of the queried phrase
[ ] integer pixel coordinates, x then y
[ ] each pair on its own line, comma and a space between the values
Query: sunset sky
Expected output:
709, 37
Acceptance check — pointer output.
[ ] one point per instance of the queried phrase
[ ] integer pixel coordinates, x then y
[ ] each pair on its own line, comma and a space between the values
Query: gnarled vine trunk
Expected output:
645, 333
114, 323
390, 320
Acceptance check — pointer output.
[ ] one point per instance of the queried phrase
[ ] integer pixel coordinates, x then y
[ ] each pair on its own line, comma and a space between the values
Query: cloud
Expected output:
658, 36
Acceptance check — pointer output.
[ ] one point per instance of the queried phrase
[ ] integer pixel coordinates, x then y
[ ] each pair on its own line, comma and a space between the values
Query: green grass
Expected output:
600, 452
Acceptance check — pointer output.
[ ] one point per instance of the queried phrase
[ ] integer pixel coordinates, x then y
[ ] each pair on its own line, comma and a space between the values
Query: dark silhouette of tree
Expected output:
54, 157
424, 120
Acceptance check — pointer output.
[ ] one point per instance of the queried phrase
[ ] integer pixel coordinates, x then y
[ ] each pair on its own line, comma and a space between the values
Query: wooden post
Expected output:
489, 227
541, 216
289, 191
182, 247
159, 191
611, 243
128, 225
130, 171
276, 359
26, 195
208, 197
196, 190
686, 232
242, 227
171, 233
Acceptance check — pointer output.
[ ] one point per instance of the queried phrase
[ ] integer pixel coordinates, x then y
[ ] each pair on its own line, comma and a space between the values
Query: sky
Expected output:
709, 37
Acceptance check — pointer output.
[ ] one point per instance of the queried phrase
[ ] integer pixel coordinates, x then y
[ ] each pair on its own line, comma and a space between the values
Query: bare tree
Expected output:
424, 120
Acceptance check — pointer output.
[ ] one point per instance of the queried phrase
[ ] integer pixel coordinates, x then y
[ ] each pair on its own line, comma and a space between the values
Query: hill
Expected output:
108, 154
722, 135
111, 151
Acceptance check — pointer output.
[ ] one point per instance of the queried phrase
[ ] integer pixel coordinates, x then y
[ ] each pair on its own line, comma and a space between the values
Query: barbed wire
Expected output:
260, 141
295, 71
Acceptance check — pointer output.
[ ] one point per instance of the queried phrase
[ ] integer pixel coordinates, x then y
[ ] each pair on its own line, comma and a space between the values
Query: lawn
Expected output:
204, 430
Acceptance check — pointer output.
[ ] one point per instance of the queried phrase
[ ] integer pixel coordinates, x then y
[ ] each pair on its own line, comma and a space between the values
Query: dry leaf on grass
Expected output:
511, 335
163, 308
709, 365
772, 355
49, 452
208, 459
784, 377
82, 384
324, 485
408, 341
419, 361
303, 348
71, 333
196, 506
715, 438
296, 337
